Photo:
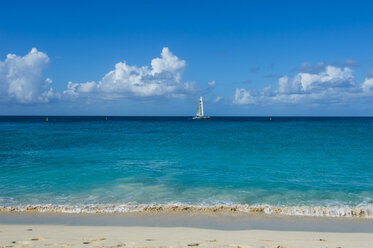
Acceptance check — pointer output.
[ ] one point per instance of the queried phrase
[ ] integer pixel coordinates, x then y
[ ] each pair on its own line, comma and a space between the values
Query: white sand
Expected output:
122, 236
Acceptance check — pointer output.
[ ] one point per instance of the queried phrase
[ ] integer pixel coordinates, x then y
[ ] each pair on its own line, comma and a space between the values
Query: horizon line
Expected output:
178, 116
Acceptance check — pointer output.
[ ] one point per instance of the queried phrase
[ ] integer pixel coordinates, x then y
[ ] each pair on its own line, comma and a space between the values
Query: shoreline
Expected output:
181, 229
361, 212
202, 220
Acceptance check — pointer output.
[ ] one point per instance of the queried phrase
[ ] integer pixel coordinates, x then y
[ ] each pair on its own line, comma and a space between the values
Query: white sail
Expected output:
200, 113
200, 107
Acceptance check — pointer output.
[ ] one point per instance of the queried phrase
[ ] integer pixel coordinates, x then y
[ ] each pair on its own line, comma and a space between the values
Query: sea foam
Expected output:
319, 211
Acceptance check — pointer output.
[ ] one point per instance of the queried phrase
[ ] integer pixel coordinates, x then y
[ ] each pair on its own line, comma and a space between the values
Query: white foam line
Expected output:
320, 211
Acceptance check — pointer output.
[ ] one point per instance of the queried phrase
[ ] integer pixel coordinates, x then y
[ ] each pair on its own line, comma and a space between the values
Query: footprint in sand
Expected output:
149, 239
322, 240
114, 246
37, 239
118, 245
193, 244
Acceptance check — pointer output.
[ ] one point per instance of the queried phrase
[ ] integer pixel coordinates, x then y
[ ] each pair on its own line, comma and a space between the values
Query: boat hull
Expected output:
201, 117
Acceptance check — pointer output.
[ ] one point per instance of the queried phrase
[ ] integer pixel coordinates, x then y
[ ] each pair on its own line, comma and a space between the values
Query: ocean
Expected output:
315, 166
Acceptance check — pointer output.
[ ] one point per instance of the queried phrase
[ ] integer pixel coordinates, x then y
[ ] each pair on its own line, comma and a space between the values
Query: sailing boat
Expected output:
200, 113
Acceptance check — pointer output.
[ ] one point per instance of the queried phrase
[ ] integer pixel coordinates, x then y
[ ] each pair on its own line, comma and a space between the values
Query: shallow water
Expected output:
286, 162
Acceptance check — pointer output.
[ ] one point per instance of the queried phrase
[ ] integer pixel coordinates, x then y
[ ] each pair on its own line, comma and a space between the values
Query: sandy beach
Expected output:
114, 236
181, 230
191, 124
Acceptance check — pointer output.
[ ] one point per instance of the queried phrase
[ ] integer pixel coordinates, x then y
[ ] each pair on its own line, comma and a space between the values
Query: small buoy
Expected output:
270, 118
46, 119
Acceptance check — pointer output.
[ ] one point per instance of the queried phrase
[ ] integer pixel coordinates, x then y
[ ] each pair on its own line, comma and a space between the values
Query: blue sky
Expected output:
157, 57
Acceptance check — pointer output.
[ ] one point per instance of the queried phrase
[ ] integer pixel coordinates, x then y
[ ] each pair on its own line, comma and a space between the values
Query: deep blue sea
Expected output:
301, 164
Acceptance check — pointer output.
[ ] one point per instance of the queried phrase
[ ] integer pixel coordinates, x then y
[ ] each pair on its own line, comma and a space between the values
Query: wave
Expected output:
319, 211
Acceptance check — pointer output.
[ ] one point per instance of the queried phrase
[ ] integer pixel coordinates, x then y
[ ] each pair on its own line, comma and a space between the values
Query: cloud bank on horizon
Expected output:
22, 81
321, 84
161, 79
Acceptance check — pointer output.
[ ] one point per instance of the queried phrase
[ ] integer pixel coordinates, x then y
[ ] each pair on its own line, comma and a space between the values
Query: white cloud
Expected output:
22, 81
163, 78
368, 85
331, 77
243, 96
331, 85
212, 83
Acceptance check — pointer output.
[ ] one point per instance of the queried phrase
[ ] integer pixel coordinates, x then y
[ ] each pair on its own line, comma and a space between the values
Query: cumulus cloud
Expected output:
161, 79
368, 85
22, 80
318, 67
330, 85
212, 83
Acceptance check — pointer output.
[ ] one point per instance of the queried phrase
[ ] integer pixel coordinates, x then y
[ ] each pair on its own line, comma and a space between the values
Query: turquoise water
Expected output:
286, 162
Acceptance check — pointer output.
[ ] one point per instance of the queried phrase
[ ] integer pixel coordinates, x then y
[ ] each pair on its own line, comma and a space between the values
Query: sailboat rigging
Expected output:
200, 114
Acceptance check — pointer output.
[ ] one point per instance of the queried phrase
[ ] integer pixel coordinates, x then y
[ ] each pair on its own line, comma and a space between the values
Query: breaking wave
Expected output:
319, 211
